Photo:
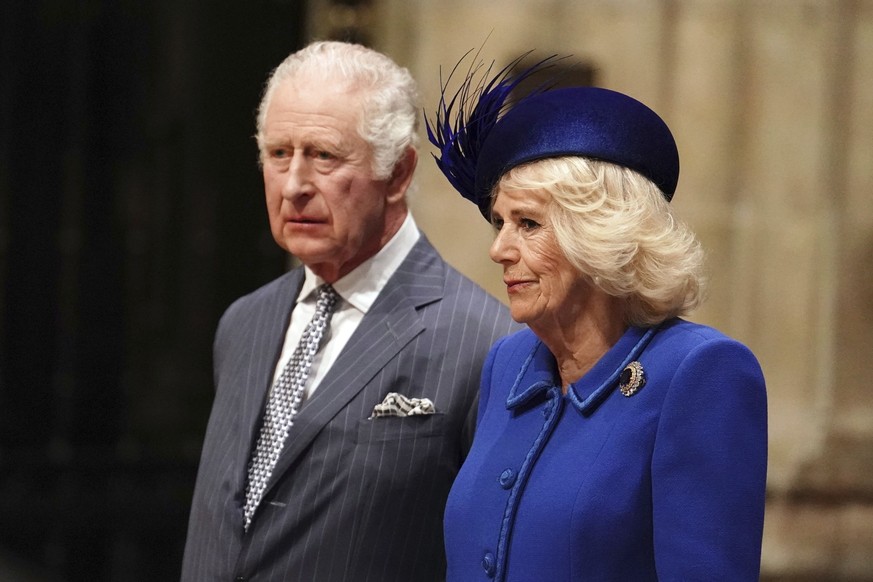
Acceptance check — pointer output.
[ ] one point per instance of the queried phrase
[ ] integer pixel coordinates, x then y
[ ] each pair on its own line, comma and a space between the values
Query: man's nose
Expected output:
298, 178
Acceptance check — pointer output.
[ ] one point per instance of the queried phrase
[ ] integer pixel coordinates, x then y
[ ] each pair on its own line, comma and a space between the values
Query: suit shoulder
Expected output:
264, 297
459, 284
457, 306
476, 304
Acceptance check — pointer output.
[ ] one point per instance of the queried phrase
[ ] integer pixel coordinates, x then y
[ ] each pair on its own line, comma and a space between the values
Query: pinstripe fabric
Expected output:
350, 498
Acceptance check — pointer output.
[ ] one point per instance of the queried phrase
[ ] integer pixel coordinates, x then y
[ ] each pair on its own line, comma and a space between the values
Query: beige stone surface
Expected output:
805, 540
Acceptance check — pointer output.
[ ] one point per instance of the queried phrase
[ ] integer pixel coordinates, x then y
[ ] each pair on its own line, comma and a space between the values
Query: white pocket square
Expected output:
396, 404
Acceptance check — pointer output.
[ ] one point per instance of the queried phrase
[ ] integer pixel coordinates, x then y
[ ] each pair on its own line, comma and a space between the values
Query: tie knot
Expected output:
326, 298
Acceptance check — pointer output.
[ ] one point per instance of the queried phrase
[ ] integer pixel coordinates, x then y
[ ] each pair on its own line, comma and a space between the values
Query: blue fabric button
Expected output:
488, 564
507, 478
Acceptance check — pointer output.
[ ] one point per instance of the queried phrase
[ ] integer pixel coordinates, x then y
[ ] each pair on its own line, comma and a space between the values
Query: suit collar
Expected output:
266, 346
267, 343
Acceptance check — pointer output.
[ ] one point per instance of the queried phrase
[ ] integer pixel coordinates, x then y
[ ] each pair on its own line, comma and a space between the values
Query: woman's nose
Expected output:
503, 250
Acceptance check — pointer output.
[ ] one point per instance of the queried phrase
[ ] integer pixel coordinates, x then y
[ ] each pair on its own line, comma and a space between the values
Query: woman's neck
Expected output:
580, 339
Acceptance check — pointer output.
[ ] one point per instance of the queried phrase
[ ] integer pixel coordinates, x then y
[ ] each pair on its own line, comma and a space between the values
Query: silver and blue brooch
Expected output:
632, 378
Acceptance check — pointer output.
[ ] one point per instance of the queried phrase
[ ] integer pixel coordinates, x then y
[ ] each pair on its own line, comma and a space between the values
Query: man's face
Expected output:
324, 205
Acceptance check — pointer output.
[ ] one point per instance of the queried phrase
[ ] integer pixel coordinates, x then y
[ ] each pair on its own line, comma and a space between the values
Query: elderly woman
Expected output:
615, 440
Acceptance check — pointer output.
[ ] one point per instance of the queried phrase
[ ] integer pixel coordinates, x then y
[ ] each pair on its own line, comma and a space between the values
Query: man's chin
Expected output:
312, 254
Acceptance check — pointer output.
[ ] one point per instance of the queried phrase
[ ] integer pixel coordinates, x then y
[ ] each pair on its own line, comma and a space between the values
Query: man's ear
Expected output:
402, 175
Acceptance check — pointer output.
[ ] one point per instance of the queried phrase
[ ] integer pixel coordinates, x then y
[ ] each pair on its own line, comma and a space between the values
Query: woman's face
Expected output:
543, 287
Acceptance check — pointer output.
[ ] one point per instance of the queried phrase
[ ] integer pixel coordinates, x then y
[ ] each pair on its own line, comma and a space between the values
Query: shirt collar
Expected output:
362, 286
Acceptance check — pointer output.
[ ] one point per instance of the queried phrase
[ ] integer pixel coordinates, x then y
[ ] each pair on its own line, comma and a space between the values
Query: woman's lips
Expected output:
516, 285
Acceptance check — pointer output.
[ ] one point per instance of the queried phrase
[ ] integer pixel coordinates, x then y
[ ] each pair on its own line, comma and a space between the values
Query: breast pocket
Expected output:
397, 428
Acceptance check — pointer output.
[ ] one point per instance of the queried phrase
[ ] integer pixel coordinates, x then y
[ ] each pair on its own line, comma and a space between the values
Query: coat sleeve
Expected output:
709, 467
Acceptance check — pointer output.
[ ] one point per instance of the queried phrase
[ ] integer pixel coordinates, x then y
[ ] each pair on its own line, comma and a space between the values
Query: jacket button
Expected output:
488, 564
507, 478
239, 579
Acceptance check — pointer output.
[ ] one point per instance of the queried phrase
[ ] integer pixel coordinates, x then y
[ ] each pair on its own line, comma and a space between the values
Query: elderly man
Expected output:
345, 389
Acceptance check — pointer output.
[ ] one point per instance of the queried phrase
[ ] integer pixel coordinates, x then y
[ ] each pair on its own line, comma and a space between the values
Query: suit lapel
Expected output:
267, 341
390, 324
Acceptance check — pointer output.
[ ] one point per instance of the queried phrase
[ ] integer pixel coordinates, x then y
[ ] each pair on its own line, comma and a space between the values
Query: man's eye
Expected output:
322, 155
279, 153
497, 223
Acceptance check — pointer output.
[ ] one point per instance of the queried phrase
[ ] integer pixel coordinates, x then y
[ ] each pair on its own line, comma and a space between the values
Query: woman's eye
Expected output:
528, 224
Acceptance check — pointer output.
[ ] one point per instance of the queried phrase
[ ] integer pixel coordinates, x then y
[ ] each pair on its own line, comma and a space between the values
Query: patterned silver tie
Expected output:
284, 402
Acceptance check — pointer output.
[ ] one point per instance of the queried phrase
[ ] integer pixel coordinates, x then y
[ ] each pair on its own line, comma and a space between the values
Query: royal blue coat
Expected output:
665, 484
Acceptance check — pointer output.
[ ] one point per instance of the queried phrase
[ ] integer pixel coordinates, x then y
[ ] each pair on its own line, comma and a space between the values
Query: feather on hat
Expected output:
481, 135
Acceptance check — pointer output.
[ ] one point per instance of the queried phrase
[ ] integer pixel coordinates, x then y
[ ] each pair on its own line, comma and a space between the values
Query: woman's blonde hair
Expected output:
617, 228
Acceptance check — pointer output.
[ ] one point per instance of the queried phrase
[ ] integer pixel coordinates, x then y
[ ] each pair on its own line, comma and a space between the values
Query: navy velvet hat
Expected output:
476, 150
581, 121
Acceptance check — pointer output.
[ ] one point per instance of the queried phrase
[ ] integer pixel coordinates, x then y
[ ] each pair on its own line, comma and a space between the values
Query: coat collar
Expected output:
539, 372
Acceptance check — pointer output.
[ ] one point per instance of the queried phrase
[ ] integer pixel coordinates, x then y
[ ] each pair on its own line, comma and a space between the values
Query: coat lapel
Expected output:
392, 322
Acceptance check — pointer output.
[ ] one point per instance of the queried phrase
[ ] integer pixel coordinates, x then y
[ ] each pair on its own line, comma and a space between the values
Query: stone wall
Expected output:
771, 102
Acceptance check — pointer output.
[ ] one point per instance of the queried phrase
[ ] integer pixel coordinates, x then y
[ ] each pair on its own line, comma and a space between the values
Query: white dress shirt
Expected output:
357, 292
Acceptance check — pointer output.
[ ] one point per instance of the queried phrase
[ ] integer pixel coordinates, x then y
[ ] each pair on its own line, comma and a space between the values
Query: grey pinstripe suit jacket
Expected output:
350, 499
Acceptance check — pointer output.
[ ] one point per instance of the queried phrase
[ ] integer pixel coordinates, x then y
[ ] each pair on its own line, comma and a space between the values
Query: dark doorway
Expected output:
131, 215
